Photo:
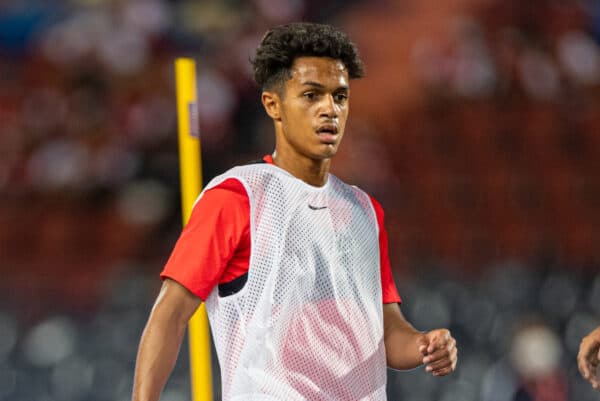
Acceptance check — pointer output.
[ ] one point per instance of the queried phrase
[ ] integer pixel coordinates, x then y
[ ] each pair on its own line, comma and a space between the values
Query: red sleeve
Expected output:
390, 292
219, 223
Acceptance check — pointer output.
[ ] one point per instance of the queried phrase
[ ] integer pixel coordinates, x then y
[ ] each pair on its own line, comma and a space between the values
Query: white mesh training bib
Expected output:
308, 324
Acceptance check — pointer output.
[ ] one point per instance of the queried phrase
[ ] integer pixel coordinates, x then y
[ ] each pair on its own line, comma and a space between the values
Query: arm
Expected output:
161, 339
401, 339
407, 348
588, 358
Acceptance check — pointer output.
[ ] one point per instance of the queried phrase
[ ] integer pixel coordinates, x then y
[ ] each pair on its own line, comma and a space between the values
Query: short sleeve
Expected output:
390, 292
218, 225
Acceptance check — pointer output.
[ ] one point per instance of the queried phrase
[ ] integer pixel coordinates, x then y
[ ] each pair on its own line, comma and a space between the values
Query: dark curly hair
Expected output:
283, 44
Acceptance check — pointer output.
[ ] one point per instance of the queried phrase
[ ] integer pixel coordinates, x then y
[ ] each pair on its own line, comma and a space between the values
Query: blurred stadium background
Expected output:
477, 127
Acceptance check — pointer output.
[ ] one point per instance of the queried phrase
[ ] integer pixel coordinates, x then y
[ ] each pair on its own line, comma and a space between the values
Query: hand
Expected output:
440, 355
588, 358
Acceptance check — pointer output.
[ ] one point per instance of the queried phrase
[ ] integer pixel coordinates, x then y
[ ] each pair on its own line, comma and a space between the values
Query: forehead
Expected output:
323, 70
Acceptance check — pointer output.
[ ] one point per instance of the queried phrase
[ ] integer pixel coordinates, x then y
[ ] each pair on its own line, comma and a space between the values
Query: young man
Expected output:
588, 358
291, 262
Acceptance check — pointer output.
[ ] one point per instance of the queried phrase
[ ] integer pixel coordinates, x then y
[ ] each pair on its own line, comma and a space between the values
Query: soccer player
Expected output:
291, 262
588, 358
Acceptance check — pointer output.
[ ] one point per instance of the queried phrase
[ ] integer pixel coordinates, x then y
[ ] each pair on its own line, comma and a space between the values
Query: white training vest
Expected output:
308, 323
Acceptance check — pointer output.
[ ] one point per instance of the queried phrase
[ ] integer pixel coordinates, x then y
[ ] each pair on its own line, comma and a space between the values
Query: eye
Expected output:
310, 95
340, 97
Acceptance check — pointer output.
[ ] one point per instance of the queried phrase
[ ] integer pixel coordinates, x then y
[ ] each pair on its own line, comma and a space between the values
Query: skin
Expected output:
588, 358
161, 339
315, 97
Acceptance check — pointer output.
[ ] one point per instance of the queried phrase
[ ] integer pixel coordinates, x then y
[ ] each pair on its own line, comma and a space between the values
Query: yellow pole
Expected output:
191, 185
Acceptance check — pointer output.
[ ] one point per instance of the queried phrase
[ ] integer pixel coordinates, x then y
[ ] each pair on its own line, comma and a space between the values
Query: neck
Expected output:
312, 172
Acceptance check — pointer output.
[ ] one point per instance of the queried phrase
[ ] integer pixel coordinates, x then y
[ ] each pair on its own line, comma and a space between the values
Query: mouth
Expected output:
328, 133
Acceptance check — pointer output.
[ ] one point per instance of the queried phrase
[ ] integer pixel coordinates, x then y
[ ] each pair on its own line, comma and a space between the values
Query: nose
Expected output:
328, 107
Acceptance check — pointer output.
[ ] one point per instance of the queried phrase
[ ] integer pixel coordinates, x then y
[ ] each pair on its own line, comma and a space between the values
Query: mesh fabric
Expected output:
308, 324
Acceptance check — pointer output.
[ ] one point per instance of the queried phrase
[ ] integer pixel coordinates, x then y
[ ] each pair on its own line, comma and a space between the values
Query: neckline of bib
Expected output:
301, 182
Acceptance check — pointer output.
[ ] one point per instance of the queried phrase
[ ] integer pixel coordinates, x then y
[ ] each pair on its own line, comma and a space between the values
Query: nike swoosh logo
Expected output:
317, 207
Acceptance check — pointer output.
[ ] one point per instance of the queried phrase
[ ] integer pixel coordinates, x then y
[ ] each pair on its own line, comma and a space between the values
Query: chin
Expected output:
327, 153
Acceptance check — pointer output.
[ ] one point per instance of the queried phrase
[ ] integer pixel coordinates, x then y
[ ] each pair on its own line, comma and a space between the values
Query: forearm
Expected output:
407, 348
157, 354
402, 347
161, 340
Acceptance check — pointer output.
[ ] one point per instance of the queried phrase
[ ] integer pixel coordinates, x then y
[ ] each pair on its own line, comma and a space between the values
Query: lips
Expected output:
327, 132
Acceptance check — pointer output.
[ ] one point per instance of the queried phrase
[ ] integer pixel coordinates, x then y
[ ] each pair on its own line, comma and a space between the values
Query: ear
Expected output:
272, 103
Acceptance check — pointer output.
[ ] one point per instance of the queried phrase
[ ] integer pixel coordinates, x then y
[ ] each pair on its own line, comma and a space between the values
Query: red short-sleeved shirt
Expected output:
214, 247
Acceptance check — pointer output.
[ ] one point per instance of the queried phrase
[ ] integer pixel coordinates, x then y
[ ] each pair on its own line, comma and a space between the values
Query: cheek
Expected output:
300, 114
343, 110
343, 116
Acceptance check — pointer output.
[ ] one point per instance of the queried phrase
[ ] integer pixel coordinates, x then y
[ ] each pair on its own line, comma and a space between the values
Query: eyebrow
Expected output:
321, 86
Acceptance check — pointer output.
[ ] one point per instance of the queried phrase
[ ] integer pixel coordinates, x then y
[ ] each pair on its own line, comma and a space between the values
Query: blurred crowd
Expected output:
489, 126
517, 330
88, 144
477, 127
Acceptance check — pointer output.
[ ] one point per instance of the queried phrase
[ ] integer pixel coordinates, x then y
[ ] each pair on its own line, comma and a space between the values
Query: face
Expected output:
310, 114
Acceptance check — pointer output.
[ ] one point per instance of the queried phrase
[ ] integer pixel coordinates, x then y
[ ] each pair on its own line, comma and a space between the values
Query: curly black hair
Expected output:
283, 44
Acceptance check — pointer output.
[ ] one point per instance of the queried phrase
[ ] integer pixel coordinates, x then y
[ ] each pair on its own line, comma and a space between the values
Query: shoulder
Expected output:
225, 189
227, 199
258, 180
234, 179
245, 172
376, 206
358, 192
